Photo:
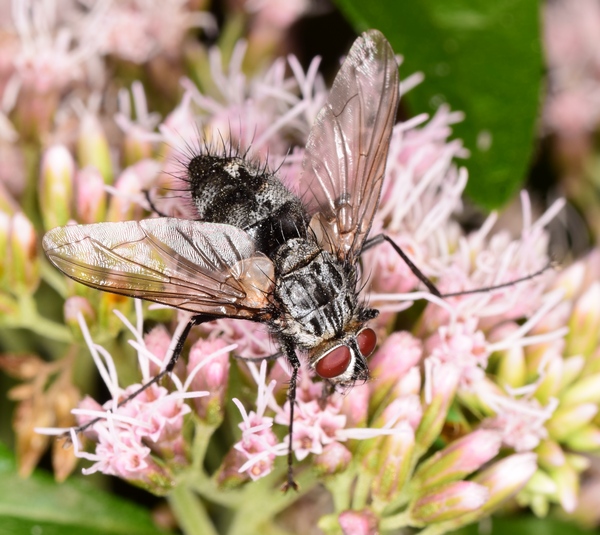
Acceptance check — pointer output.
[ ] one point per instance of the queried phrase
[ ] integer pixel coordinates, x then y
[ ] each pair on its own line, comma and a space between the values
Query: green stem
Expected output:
263, 502
29, 318
340, 487
362, 490
202, 435
395, 522
190, 512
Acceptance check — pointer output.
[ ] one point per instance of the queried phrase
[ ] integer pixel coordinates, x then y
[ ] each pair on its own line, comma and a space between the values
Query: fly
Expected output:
258, 252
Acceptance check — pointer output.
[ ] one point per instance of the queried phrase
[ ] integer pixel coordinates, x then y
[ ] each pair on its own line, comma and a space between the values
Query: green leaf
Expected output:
525, 526
39, 505
480, 56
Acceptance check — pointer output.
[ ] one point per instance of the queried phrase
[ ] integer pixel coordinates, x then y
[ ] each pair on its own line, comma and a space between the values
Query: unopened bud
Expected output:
584, 326
74, 306
459, 459
395, 462
56, 186
567, 420
358, 522
209, 362
93, 148
586, 390
567, 486
585, 439
23, 263
449, 501
91, 196
442, 383
334, 459
550, 454
506, 477
398, 354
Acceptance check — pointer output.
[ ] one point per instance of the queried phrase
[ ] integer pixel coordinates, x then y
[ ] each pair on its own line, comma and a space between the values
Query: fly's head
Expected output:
343, 360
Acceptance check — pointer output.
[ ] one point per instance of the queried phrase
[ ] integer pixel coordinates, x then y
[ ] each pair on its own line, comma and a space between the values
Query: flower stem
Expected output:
395, 522
190, 512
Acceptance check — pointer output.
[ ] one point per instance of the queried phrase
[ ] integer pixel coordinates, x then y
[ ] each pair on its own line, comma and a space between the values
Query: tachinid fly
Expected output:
256, 251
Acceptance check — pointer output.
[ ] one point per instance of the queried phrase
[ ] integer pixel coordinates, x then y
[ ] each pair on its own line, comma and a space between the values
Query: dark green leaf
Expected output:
40, 505
525, 526
481, 57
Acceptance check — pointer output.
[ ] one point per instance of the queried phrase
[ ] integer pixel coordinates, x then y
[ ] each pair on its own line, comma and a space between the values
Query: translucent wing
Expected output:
347, 147
205, 268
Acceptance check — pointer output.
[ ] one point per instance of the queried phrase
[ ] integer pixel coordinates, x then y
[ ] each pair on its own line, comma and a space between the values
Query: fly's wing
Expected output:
205, 268
347, 147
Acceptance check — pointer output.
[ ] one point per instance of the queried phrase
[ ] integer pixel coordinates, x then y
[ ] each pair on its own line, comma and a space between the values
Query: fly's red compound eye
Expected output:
334, 363
366, 340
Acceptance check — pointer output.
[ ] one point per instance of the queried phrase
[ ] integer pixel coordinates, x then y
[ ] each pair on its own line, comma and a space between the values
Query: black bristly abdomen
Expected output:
233, 191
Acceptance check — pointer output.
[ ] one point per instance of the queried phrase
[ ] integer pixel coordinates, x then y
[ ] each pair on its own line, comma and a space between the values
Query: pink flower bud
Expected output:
91, 196
506, 477
335, 458
398, 354
23, 263
567, 485
56, 186
584, 326
72, 308
550, 454
157, 341
567, 420
459, 459
358, 522
585, 439
395, 462
442, 382
449, 501
93, 149
212, 377
355, 405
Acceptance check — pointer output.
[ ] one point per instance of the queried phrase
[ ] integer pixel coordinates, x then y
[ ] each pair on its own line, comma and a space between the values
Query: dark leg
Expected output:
295, 363
376, 240
153, 206
380, 238
195, 320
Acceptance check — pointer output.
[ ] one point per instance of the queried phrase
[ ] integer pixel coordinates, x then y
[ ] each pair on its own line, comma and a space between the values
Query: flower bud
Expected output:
355, 405
56, 186
210, 365
584, 325
93, 148
129, 188
395, 462
567, 420
72, 308
459, 459
567, 485
550, 454
449, 501
334, 459
23, 263
585, 439
358, 522
91, 196
398, 354
586, 390
506, 477
442, 382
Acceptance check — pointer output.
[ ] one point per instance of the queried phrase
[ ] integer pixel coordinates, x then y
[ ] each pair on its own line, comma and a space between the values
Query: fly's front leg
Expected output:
380, 238
295, 364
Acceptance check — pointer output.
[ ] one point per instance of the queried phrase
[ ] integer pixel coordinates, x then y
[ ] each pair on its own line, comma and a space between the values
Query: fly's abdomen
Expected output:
233, 191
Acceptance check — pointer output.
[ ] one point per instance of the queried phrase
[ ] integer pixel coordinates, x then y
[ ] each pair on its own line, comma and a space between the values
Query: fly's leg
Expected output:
153, 206
295, 364
380, 238
268, 358
194, 320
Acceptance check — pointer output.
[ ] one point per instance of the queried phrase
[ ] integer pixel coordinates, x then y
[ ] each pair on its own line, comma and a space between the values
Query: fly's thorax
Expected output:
315, 293
236, 192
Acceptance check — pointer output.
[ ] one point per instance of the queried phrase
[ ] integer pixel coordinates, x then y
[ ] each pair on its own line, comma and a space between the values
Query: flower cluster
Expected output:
474, 399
